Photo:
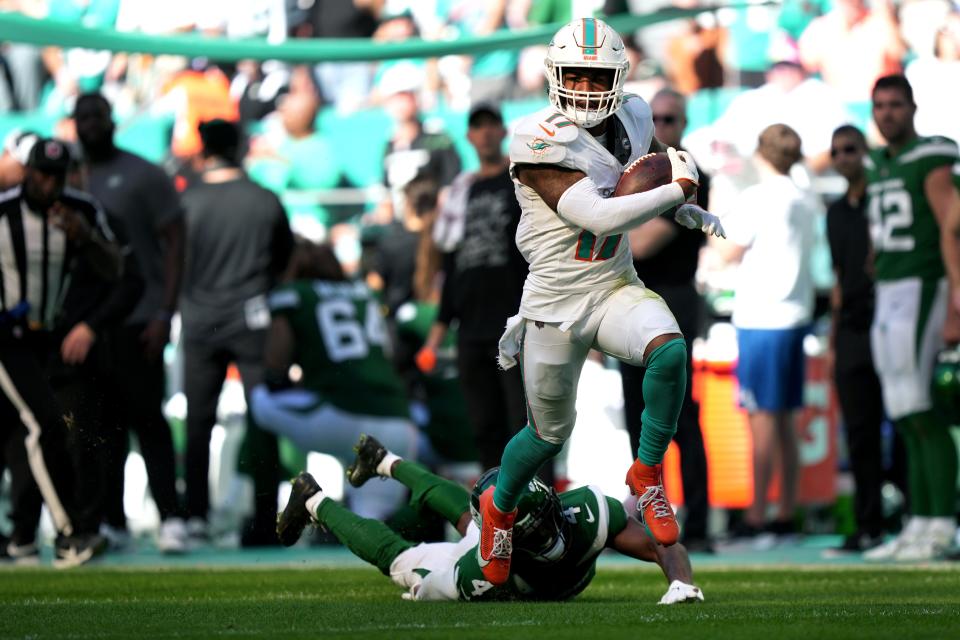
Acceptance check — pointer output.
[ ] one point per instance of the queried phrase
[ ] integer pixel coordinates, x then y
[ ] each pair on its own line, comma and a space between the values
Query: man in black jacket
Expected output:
84, 379
852, 302
239, 242
483, 281
140, 197
45, 229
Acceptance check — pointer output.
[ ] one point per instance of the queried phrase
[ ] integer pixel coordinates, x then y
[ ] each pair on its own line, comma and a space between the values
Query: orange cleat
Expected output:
496, 540
655, 511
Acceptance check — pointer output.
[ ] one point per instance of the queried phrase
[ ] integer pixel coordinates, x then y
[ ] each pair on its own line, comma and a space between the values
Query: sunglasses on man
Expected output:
665, 119
847, 150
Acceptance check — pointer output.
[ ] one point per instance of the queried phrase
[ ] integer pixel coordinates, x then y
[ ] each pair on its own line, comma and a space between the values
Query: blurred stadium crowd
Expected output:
367, 157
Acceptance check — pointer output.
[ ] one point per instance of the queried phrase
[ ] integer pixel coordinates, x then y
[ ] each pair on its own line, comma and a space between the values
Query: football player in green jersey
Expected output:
332, 329
557, 539
917, 265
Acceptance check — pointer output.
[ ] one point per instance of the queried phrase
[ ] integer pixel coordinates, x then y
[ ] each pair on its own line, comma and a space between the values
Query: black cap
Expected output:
50, 156
481, 109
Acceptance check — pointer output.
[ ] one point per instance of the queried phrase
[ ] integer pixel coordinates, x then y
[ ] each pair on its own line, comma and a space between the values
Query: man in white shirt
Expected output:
771, 233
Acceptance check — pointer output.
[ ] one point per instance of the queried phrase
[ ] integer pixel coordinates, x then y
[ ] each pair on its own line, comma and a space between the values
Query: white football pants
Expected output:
621, 326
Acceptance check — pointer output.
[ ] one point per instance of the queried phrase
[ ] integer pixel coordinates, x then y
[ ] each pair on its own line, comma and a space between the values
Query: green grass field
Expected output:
767, 603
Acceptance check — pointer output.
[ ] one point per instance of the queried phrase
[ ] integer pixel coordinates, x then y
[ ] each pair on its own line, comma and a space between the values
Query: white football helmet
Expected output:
586, 43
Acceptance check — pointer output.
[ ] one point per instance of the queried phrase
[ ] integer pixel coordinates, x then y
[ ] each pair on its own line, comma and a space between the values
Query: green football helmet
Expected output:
946, 384
540, 527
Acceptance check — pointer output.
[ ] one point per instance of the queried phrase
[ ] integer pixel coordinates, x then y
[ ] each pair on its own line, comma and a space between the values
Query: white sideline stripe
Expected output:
35, 455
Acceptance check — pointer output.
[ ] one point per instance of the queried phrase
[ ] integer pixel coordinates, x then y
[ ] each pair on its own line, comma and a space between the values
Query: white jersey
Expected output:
571, 270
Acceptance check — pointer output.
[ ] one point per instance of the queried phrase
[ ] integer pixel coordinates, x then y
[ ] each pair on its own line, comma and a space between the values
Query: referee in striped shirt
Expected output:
45, 228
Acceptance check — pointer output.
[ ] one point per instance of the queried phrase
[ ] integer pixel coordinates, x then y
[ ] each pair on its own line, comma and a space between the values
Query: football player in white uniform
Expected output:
582, 291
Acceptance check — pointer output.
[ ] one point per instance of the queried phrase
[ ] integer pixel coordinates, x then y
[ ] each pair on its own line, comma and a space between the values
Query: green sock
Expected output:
522, 458
916, 476
437, 494
939, 453
368, 539
416, 526
664, 385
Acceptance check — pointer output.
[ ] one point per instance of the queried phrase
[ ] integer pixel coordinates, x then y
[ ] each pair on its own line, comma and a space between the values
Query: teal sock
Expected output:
437, 494
664, 385
916, 476
368, 539
522, 458
939, 453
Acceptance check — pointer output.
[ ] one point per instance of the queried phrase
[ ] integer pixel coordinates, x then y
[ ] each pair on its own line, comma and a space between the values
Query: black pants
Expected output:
494, 399
142, 385
34, 441
84, 394
205, 369
686, 305
861, 405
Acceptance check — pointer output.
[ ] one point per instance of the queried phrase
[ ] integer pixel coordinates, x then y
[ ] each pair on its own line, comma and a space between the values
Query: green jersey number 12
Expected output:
890, 212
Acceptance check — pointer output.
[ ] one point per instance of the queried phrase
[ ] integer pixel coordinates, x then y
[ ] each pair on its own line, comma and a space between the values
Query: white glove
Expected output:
683, 166
692, 217
681, 592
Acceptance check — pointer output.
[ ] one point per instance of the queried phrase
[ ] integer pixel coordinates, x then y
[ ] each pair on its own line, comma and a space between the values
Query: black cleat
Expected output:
75, 550
369, 455
295, 516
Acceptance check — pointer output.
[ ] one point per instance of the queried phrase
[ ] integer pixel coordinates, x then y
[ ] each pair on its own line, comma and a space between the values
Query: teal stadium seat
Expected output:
37, 121
361, 138
146, 135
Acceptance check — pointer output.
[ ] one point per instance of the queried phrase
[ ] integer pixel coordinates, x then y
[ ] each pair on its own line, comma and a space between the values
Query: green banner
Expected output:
15, 27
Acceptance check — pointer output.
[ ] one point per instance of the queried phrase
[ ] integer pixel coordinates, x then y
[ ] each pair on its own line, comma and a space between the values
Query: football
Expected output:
646, 172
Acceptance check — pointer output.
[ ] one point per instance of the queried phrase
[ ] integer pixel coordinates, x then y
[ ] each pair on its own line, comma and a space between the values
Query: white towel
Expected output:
509, 345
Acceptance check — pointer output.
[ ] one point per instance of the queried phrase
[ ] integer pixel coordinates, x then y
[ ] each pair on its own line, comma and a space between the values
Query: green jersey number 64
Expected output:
346, 336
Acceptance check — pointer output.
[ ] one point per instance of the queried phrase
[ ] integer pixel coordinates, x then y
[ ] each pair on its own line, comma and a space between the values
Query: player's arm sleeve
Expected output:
582, 205
936, 152
283, 301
